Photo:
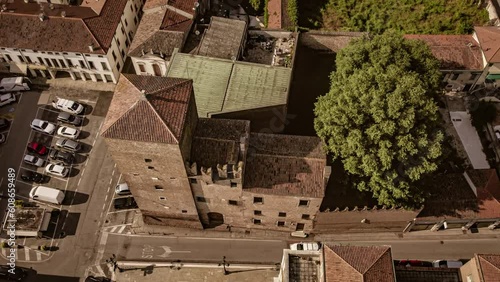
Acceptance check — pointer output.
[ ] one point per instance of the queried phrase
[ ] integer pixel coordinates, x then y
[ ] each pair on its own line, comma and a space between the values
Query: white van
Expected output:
47, 194
11, 84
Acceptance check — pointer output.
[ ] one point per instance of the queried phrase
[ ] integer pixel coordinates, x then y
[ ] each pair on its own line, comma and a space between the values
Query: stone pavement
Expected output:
138, 227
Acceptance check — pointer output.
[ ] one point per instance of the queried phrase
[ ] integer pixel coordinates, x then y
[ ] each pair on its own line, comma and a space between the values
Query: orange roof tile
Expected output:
489, 39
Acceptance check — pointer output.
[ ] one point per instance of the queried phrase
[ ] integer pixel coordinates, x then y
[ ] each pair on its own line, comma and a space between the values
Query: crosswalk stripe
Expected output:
113, 229
26, 254
122, 228
38, 256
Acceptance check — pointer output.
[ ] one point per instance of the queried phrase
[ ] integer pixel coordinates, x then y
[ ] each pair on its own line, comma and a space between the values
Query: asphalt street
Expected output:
148, 248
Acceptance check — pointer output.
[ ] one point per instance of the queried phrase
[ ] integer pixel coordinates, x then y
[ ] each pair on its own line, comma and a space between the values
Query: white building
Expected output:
86, 42
163, 28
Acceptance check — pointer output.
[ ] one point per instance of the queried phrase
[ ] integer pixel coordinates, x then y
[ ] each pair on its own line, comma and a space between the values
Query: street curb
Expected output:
123, 264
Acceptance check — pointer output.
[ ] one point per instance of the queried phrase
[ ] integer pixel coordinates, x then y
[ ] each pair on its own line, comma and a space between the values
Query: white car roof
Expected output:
56, 167
68, 129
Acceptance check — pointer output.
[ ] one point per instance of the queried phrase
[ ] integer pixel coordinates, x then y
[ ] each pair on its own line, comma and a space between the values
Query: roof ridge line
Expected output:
184, 80
127, 111
375, 261
362, 275
162, 120
91, 33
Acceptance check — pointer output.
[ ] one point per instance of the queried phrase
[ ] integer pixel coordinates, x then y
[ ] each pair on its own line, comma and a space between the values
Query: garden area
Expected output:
407, 16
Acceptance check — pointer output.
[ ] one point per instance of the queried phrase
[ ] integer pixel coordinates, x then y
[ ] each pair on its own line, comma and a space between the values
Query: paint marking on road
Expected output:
38, 256
79, 180
113, 229
83, 172
122, 228
105, 199
102, 245
26, 254
110, 180
113, 212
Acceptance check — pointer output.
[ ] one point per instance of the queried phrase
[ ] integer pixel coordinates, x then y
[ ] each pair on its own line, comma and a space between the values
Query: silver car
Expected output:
32, 160
69, 118
69, 145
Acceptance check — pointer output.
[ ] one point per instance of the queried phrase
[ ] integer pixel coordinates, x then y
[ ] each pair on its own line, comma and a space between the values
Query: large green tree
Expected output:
380, 117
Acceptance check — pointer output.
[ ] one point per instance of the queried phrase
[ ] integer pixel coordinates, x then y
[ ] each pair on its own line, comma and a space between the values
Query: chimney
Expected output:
4, 8
91, 47
63, 14
222, 171
51, 6
207, 175
192, 169
238, 173
41, 16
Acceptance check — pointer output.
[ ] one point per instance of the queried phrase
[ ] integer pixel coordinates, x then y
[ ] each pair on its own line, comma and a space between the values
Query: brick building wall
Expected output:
158, 180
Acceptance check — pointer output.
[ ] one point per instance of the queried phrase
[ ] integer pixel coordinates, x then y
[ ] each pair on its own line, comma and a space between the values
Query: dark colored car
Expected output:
35, 147
4, 123
30, 176
58, 155
125, 203
69, 118
97, 279
18, 275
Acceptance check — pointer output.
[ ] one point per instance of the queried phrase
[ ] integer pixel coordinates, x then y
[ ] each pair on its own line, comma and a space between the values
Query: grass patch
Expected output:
293, 13
408, 16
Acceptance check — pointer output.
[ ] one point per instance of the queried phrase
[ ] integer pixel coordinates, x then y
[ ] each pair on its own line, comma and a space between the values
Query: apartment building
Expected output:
188, 171
86, 42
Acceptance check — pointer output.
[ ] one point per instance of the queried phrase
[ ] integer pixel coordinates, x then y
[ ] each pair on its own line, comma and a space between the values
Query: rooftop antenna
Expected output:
51, 6
91, 47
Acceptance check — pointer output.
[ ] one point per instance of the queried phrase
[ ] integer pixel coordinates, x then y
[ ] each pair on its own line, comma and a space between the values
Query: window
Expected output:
184, 211
104, 66
300, 227
114, 55
126, 23
490, 64
158, 187
123, 53
118, 66
156, 69
151, 167
474, 76
303, 203
8, 57
163, 198
119, 43
257, 221
108, 77
48, 63
82, 64
68, 63
282, 214
29, 60
280, 223
135, 20
130, 35
234, 184
40, 60
123, 30
142, 68
91, 64
127, 43
233, 202
20, 58
64, 53
50, 53
54, 62
193, 180
256, 212
258, 200
61, 62
201, 199
148, 160
306, 216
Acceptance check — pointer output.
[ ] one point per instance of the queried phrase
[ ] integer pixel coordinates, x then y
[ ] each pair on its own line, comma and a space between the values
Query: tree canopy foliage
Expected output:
408, 16
380, 117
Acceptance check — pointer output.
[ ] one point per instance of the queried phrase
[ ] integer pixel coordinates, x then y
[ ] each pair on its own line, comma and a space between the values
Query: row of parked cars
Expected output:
65, 148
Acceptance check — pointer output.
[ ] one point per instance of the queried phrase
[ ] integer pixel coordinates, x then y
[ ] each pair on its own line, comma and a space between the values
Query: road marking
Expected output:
26, 254
79, 180
113, 229
122, 228
102, 245
38, 256
122, 211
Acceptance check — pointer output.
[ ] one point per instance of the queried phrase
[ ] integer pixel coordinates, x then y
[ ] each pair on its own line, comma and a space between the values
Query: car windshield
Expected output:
44, 125
75, 106
71, 118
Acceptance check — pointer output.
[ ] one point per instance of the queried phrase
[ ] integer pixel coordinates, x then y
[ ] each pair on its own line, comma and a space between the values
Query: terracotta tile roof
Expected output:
23, 28
489, 267
158, 116
358, 263
455, 52
489, 39
453, 197
176, 22
285, 165
217, 141
223, 38
184, 5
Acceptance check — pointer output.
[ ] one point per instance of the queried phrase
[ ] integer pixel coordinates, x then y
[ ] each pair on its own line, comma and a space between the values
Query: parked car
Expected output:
43, 126
69, 106
68, 132
447, 263
69, 145
69, 118
97, 279
58, 155
2, 138
306, 246
57, 170
32, 160
30, 176
413, 262
6, 99
9, 274
4, 123
35, 147
125, 203
122, 189
11, 84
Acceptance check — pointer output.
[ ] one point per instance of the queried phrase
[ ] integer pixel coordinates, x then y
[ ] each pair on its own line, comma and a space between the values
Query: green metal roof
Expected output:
225, 86
493, 76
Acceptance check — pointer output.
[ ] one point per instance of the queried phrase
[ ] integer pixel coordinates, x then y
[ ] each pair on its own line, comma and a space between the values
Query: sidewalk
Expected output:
67, 82
138, 227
